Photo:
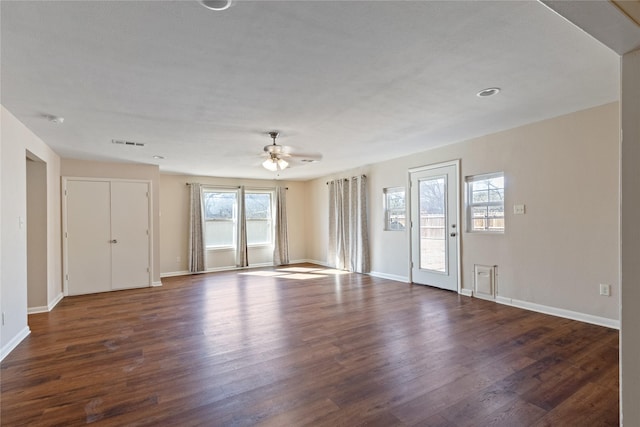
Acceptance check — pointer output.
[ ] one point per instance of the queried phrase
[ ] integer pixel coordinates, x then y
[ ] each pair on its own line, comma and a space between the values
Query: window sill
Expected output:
233, 248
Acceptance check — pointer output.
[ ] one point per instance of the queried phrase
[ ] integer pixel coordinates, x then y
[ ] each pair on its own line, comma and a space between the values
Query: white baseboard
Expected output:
174, 273
156, 284
258, 265
560, 312
46, 308
483, 296
394, 277
36, 310
466, 292
55, 301
14, 342
309, 261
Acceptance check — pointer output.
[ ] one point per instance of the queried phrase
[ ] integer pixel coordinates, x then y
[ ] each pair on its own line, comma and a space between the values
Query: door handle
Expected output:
113, 241
453, 234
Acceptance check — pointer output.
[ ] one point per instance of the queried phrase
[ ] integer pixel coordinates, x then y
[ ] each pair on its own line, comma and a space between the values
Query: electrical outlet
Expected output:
605, 290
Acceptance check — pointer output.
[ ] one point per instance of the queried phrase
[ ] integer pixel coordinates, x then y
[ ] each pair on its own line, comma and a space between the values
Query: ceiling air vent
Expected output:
129, 143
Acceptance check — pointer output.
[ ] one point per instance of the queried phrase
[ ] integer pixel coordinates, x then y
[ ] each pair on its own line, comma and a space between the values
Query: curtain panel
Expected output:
348, 227
197, 262
242, 255
281, 238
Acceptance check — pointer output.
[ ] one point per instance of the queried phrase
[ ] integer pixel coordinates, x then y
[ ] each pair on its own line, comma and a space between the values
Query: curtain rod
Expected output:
229, 186
347, 179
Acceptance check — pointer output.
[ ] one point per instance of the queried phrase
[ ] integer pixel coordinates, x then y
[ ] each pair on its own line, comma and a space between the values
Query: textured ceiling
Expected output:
359, 81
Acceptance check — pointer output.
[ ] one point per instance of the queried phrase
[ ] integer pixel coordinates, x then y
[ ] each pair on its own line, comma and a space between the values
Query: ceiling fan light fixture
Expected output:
275, 164
270, 165
217, 5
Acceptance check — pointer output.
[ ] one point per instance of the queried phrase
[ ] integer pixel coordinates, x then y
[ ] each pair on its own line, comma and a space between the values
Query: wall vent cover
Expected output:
129, 143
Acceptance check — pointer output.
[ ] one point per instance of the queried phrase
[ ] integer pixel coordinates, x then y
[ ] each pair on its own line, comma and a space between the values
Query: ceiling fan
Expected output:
279, 156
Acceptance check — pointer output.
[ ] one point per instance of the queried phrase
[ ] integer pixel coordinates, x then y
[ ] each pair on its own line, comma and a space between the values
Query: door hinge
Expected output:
148, 270
65, 191
66, 235
67, 277
147, 193
147, 232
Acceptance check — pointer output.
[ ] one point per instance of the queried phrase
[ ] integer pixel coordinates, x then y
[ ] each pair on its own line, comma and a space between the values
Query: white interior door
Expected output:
434, 226
130, 235
87, 236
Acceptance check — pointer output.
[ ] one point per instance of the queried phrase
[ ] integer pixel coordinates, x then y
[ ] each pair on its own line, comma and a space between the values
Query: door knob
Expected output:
113, 241
453, 234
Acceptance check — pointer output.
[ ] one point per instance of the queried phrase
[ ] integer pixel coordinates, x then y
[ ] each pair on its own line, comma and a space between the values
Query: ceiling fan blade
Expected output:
277, 149
308, 157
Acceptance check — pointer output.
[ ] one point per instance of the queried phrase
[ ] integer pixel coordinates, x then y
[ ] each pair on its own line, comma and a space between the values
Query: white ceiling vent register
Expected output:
129, 143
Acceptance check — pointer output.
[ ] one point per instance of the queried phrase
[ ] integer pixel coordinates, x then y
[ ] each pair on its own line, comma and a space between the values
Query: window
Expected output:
485, 203
259, 218
221, 217
394, 209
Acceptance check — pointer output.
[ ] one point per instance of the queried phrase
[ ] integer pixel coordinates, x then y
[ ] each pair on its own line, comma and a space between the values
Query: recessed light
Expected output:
56, 119
216, 4
488, 92
158, 157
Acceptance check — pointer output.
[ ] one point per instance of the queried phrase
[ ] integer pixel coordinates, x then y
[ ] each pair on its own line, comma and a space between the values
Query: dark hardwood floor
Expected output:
230, 349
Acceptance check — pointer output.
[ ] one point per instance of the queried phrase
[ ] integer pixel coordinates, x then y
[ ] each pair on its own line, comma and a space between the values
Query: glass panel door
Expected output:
433, 223
434, 226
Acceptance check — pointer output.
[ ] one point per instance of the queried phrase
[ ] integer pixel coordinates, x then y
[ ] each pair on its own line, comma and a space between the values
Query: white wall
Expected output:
92, 169
565, 170
174, 223
16, 139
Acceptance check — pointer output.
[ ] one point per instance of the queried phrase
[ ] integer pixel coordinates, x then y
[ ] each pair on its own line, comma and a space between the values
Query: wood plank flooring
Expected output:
227, 349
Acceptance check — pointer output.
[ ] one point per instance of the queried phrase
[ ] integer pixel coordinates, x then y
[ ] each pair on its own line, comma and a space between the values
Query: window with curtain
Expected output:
259, 213
221, 217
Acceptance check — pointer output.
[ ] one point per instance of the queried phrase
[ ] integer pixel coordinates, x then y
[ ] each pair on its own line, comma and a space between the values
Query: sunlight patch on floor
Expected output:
302, 276
332, 271
263, 273
298, 273
299, 269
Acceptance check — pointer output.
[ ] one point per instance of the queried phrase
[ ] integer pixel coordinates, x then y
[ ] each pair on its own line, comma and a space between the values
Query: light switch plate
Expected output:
518, 209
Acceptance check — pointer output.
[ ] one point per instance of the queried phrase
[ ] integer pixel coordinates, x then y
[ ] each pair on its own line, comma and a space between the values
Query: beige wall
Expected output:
630, 236
16, 140
174, 223
91, 169
565, 170
36, 233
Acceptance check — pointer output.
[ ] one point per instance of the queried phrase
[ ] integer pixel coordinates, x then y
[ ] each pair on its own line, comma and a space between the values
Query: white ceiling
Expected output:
359, 81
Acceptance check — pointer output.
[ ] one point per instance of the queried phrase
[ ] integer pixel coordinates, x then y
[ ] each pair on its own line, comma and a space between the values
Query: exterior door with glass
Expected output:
434, 226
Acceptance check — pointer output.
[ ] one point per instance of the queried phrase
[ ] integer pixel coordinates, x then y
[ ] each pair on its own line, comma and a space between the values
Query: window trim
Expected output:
272, 194
234, 220
386, 210
469, 180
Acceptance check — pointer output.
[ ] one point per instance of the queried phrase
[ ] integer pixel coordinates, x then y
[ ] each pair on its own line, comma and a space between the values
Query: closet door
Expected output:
106, 235
88, 236
129, 235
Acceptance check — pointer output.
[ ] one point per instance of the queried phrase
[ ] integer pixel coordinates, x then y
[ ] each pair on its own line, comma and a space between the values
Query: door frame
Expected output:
456, 164
65, 254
